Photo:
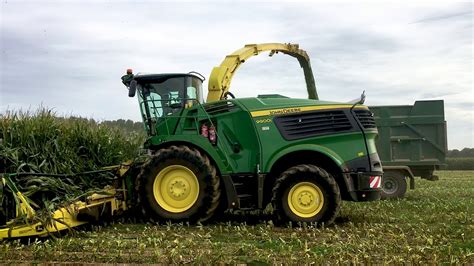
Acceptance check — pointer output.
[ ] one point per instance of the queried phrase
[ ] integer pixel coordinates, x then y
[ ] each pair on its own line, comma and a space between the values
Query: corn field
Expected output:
42, 142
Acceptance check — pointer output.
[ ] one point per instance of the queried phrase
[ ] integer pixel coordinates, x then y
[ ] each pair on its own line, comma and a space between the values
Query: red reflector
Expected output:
205, 131
212, 135
375, 182
129, 71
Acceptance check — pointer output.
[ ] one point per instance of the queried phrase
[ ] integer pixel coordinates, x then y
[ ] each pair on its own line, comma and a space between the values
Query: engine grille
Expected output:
220, 107
366, 118
314, 123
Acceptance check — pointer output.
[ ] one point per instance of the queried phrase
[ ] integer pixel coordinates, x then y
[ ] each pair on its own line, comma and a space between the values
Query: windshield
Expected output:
166, 96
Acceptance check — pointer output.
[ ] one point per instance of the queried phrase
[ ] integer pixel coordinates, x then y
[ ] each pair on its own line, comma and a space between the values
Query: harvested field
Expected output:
433, 224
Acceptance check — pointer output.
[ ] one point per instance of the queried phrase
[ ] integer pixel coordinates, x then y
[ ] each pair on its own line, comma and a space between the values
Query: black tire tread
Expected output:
402, 186
201, 161
330, 216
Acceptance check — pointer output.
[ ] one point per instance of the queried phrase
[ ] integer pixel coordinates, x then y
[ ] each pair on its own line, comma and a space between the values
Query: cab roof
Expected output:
163, 76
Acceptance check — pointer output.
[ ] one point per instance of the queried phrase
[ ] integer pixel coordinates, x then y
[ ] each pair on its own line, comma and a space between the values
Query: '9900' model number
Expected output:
263, 121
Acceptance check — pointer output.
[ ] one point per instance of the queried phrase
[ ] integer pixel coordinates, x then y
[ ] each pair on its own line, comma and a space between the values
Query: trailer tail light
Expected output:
205, 131
375, 181
212, 135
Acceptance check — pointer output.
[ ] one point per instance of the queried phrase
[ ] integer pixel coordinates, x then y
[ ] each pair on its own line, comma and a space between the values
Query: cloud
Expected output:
445, 17
70, 55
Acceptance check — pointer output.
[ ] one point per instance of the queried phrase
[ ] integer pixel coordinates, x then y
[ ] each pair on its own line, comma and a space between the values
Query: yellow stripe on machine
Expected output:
291, 110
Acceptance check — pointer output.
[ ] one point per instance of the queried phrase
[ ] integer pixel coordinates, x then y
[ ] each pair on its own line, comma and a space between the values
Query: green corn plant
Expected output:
40, 141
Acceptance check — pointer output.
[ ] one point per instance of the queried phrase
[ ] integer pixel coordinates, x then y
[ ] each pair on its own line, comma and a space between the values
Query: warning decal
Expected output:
375, 181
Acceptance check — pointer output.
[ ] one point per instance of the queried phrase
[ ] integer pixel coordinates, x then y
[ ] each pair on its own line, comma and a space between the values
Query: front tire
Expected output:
179, 184
306, 193
394, 185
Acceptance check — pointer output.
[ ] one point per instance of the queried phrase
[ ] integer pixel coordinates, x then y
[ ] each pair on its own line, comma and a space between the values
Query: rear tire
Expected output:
179, 184
306, 193
394, 185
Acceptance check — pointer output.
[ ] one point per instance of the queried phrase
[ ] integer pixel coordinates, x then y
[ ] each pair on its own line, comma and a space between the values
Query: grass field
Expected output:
433, 224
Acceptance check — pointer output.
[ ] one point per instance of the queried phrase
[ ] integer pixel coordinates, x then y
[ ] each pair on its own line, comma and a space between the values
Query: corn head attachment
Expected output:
22, 217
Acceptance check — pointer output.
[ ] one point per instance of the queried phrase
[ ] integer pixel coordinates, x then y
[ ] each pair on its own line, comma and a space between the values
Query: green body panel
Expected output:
198, 141
249, 142
340, 148
372, 141
302, 147
183, 128
236, 130
412, 135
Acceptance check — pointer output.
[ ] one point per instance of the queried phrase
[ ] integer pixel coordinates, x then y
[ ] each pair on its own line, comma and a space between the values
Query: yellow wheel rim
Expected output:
176, 188
305, 199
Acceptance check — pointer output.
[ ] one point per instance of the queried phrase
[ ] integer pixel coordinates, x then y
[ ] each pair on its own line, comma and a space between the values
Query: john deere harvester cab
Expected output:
162, 96
300, 155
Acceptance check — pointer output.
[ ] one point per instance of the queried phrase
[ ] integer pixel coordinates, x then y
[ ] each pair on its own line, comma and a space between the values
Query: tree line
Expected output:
126, 125
464, 153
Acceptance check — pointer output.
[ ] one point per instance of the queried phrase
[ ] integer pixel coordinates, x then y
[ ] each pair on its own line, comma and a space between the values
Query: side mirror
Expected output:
359, 100
132, 89
362, 98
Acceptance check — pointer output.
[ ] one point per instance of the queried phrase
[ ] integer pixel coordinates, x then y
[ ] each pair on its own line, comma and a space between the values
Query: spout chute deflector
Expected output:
221, 76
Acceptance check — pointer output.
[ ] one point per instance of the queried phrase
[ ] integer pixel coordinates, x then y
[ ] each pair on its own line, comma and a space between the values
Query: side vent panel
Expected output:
309, 124
220, 107
366, 118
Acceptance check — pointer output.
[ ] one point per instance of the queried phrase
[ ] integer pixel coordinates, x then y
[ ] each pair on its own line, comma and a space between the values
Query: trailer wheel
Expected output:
306, 193
179, 184
394, 185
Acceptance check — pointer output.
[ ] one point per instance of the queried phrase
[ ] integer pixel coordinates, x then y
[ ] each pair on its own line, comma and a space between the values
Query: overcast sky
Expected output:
70, 55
